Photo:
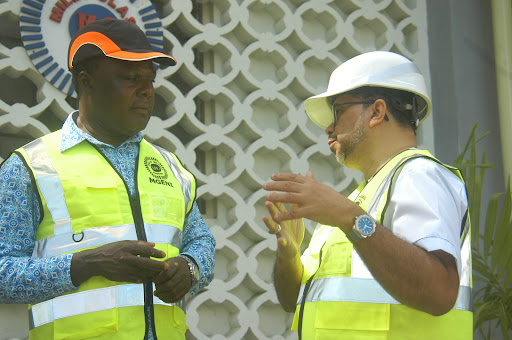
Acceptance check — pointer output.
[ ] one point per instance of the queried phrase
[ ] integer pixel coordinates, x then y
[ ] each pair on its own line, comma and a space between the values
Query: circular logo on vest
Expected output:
155, 168
46, 29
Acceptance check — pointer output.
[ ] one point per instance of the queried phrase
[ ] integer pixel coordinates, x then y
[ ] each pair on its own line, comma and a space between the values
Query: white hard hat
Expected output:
378, 69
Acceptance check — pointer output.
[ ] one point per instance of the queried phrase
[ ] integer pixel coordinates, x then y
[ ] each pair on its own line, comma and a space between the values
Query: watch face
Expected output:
365, 225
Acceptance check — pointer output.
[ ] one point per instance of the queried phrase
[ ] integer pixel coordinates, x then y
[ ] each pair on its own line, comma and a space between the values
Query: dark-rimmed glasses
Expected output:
336, 105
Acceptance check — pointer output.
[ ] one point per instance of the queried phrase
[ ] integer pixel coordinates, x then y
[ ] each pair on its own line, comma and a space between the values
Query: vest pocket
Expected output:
96, 198
165, 208
170, 322
352, 320
86, 326
98, 181
336, 261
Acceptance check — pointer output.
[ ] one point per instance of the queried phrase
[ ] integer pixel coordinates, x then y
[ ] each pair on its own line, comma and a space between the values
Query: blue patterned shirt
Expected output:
24, 279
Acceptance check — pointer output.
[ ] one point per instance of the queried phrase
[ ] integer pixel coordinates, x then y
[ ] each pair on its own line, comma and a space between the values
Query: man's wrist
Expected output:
78, 269
193, 269
350, 218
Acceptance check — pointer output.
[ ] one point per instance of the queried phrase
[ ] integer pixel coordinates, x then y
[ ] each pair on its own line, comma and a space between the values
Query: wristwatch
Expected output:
364, 227
194, 271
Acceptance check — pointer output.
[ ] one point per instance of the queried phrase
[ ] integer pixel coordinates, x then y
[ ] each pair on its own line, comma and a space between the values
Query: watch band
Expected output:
192, 267
354, 236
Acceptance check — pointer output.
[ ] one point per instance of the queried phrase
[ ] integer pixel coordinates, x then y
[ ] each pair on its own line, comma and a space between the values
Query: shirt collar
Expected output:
73, 135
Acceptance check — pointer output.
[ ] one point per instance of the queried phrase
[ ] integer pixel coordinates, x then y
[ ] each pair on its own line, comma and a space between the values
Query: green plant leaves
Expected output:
492, 215
492, 250
502, 249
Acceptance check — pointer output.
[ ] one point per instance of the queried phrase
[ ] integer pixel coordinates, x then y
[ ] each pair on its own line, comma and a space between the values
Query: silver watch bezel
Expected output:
355, 234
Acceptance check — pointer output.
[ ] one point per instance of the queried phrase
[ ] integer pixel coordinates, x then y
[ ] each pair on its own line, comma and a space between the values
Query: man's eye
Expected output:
137, 79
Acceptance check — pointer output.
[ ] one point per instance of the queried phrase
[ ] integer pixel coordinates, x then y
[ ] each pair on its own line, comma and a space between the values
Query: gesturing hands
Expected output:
123, 261
291, 235
310, 199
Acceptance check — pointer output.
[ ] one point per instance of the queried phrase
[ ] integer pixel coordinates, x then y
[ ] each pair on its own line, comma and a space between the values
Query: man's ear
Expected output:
85, 82
379, 113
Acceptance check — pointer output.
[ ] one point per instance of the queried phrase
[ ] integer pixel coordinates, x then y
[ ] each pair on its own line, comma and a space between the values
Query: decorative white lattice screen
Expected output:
232, 110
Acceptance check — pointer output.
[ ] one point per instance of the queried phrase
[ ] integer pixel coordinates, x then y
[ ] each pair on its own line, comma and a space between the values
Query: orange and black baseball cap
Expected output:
114, 38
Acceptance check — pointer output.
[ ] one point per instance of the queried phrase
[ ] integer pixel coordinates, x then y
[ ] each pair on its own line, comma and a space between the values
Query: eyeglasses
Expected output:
336, 113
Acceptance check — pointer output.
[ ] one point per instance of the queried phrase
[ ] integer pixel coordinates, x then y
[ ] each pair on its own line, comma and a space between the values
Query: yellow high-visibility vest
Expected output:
334, 303
85, 204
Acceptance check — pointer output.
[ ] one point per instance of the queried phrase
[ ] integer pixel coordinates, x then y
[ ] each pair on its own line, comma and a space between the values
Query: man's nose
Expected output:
330, 129
146, 87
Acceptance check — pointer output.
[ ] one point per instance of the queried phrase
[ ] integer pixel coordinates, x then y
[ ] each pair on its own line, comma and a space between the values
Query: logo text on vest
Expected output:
157, 170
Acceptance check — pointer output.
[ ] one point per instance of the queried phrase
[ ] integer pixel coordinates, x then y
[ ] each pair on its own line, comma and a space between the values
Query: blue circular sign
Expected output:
78, 18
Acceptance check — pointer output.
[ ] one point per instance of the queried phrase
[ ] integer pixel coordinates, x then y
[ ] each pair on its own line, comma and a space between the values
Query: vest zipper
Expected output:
141, 236
137, 217
148, 286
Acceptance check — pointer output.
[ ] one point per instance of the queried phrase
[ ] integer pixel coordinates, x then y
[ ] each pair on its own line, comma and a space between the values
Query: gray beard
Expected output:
341, 159
352, 141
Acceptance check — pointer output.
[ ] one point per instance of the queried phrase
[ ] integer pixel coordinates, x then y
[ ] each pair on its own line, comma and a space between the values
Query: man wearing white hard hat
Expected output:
392, 260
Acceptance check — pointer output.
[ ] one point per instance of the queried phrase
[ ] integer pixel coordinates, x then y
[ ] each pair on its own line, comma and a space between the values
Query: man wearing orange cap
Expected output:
100, 230
392, 260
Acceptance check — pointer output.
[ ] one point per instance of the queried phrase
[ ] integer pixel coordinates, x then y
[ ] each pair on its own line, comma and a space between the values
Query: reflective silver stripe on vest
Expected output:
89, 301
49, 184
161, 233
181, 177
95, 237
349, 289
